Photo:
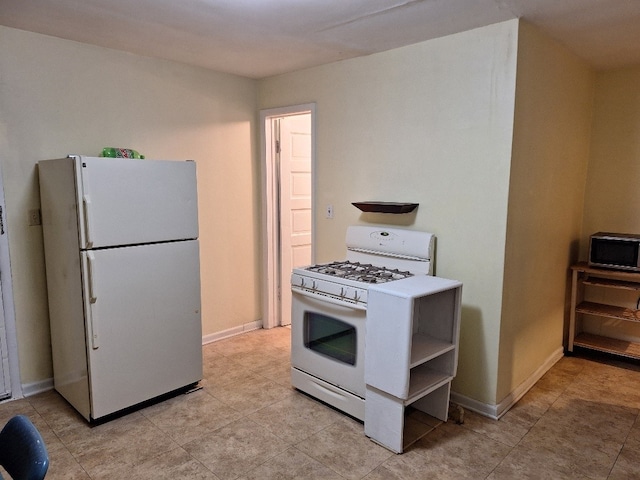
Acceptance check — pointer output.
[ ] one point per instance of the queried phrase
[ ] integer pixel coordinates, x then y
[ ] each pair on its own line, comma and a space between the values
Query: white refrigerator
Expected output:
123, 279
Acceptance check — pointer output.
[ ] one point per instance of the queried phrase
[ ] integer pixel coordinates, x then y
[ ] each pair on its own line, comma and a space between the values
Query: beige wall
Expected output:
59, 97
429, 123
612, 194
554, 97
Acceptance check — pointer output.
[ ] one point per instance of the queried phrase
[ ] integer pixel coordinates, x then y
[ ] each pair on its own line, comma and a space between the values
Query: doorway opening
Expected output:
288, 158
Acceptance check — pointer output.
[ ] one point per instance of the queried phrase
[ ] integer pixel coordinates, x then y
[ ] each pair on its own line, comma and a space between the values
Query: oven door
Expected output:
327, 341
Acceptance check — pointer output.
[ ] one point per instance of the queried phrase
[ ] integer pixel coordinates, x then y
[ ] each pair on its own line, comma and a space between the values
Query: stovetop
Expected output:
359, 272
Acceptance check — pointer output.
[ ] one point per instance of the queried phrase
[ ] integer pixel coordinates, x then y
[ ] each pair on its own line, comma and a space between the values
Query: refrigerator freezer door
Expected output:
122, 201
144, 334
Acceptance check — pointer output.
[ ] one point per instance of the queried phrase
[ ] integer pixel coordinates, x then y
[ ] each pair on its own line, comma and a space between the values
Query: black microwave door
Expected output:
622, 253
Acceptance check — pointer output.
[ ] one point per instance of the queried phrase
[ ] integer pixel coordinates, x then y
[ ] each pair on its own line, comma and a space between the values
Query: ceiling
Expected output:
260, 38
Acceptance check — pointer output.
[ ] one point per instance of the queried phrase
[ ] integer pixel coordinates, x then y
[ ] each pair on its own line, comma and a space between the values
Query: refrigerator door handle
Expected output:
86, 202
92, 299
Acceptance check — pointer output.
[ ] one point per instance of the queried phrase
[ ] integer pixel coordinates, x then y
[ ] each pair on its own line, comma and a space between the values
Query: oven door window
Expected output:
330, 337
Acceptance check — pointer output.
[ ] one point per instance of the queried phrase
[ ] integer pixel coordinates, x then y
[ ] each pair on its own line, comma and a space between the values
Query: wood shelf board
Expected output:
611, 283
385, 207
609, 311
606, 272
608, 345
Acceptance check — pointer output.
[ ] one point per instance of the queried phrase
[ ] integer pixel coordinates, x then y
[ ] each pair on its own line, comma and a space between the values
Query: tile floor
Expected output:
579, 421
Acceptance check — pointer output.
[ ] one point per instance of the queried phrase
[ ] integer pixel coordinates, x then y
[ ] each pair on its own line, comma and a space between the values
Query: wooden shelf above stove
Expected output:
386, 207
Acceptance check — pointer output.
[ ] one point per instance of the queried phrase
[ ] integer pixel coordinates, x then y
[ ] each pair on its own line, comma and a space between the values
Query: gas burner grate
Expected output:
361, 272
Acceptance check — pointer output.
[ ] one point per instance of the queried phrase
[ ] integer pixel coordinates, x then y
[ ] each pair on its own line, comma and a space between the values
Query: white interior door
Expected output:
295, 202
275, 281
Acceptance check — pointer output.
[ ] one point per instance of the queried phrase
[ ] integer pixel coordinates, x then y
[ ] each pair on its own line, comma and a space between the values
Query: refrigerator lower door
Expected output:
144, 334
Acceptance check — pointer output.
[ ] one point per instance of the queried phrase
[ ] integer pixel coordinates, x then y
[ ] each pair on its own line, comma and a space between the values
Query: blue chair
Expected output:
23, 453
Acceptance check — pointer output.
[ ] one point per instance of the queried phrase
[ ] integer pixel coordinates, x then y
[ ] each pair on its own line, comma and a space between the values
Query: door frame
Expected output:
7, 303
270, 210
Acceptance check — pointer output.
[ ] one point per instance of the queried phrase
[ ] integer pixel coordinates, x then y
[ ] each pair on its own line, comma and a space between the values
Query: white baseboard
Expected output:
232, 332
34, 388
487, 410
467, 403
497, 411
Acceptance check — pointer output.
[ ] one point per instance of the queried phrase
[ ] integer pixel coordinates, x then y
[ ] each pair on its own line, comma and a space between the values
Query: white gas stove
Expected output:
374, 255
329, 310
343, 282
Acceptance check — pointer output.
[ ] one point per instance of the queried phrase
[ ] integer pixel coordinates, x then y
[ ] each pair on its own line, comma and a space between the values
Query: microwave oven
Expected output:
615, 250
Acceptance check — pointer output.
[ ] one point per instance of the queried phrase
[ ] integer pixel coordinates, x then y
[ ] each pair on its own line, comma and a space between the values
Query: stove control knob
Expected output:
341, 292
313, 285
355, 296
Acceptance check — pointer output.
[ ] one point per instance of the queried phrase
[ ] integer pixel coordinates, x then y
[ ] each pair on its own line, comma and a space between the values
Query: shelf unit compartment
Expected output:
425, 348
416, 425
433, 313
430, 375
424, 381
394, 426
436, 403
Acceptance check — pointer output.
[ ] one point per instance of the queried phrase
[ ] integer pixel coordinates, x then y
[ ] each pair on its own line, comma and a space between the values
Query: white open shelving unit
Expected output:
413, 330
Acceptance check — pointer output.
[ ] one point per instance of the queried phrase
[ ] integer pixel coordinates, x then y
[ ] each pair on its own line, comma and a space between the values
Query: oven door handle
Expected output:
326, 298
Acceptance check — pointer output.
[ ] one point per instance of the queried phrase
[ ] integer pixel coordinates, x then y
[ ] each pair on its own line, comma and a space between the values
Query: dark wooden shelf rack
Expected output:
583, 275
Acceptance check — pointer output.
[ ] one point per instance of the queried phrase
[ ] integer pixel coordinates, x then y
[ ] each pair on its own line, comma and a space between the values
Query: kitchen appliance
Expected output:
123, 278
620, 251
329, 310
